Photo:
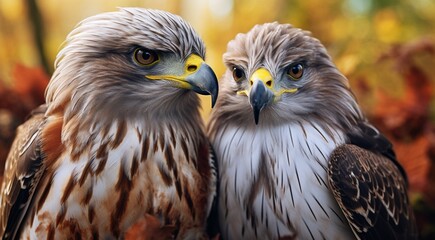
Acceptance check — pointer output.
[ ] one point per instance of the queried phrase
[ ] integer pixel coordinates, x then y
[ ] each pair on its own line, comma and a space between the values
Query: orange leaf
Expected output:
30, 83
150, 227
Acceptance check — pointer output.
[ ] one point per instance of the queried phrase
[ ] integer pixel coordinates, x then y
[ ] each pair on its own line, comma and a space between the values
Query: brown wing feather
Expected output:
371, 191
23, 171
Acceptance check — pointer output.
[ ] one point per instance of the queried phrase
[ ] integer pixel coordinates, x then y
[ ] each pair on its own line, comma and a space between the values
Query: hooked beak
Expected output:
260, 94
197, 76
204, 82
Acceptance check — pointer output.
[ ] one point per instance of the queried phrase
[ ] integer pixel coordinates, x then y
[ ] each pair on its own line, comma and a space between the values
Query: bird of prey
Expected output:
297, 159
120, 135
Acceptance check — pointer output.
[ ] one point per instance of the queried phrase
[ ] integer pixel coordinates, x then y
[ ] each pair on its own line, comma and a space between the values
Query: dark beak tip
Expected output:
214, 92
213, 102
256, 114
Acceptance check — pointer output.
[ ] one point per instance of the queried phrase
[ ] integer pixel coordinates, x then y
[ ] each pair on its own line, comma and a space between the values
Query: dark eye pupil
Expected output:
238, 73
296, 69
146, 55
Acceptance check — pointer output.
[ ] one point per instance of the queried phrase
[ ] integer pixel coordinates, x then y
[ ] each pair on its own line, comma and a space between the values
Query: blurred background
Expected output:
385, 47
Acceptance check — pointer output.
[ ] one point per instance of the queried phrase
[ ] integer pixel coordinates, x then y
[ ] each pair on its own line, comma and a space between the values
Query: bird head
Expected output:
131, 62
277, 73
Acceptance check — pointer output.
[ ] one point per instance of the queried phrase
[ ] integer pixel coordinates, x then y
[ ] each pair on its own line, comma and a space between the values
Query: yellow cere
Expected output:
264, 75
192, 64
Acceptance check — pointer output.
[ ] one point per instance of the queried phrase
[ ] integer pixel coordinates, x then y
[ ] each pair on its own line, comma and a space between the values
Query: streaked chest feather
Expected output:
275, 182
101, 190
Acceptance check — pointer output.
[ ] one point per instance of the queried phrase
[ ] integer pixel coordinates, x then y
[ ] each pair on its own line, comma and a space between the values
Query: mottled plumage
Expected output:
120, 135
297, 159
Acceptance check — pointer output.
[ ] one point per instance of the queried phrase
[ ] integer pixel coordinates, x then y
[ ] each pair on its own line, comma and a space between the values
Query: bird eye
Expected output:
145, 57
295, 71
238, 73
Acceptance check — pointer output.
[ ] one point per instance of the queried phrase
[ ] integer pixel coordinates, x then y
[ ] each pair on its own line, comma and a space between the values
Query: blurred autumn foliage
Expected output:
17, 101
385, 47
406, 120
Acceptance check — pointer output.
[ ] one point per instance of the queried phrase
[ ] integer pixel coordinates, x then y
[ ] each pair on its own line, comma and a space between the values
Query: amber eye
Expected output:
145, 57
238, 73
295, 71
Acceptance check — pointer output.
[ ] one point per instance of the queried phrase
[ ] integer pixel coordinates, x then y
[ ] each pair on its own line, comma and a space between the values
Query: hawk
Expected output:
297, 159
120, 136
